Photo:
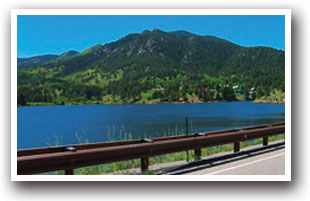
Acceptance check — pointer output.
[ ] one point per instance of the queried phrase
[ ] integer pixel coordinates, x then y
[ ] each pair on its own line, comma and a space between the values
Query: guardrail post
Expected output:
237, 146
186, 126
144, 164
69, 172
198, 154
265, 141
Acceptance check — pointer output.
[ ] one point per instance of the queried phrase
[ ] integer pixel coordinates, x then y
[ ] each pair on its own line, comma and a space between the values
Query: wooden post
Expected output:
237, 146
265, 141
69, 172
186, 125
144, 164
198, 154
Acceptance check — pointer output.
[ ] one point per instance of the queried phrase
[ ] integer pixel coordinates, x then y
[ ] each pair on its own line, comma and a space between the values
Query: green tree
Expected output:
246, 94
253, 95
21, 100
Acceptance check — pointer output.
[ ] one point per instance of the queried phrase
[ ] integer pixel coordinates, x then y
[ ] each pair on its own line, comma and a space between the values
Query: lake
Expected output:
42, 126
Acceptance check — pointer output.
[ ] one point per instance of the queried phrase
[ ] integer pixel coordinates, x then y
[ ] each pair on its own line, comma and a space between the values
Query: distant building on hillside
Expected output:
158, 88
240, 91
235, 87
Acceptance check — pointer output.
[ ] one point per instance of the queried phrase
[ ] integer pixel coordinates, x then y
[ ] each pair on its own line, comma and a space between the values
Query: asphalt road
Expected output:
271, 163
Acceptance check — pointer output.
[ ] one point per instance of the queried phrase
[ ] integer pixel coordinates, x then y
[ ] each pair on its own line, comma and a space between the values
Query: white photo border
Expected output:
16, 12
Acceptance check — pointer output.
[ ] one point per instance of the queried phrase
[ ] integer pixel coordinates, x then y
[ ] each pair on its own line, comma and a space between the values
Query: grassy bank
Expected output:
110, 101
275, 96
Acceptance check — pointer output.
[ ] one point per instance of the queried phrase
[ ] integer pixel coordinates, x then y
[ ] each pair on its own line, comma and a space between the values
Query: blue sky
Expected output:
55, 34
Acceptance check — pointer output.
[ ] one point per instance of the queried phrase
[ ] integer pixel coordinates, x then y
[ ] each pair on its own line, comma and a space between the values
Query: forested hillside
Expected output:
153, 67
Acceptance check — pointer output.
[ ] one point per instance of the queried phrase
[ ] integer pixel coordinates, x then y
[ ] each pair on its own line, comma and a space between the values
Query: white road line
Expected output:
242, 165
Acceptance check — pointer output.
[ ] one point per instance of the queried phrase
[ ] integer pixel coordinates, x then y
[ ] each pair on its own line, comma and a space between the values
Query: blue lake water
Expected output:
50, 125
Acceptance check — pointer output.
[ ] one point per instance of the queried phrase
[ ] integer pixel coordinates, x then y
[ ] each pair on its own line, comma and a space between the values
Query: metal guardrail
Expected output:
32, 161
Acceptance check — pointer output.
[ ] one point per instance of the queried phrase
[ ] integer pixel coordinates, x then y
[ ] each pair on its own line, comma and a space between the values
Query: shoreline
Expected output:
267, 101
147, 103
260, 101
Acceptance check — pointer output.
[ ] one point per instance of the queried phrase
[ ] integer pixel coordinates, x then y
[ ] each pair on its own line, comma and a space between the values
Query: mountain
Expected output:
141, 63
35, 61
39, 60
182, 33
67, 54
